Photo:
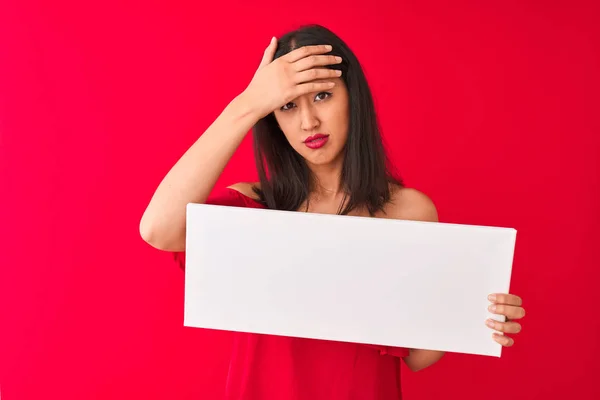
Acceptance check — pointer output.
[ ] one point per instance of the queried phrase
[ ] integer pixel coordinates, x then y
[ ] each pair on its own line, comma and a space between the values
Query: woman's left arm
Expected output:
410, 204
508, 305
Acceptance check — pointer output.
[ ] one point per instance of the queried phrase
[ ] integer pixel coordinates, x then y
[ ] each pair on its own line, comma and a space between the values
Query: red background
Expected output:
490, 109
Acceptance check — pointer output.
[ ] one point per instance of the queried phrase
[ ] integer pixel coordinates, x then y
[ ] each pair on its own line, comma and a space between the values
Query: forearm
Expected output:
419, 359
194, 175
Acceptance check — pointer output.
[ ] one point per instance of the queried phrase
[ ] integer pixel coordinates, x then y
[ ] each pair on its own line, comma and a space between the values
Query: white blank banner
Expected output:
354, 279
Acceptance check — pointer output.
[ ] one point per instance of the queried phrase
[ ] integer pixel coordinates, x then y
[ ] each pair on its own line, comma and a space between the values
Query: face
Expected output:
322, 116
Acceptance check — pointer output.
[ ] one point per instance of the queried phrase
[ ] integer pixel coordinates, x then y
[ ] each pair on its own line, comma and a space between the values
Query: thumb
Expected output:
269, 53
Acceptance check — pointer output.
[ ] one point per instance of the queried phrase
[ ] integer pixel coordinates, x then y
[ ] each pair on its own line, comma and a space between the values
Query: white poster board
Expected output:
355, 279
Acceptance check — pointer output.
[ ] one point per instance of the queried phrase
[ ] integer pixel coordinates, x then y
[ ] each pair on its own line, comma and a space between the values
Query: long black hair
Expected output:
285, 179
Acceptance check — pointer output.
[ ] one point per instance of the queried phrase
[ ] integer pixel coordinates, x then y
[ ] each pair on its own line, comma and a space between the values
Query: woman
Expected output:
318, 149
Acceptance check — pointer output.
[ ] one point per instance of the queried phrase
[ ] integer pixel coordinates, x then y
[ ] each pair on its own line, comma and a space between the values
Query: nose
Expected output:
309, 120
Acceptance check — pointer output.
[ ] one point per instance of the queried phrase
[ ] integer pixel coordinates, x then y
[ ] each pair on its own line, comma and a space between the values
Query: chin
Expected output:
323, 158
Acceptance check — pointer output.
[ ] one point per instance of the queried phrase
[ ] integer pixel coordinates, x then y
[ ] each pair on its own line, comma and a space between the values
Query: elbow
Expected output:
416, 366
147, 231
421, 359
158, 237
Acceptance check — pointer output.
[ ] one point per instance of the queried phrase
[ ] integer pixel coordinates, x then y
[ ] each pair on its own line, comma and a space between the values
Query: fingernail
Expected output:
492, 308
492, 297
490, 323
328, 47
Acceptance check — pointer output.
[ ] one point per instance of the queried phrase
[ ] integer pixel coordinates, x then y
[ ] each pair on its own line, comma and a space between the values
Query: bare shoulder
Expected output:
246, 188
411, 204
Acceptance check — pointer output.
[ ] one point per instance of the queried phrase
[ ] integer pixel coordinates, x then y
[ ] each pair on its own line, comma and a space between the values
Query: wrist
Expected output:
244, 108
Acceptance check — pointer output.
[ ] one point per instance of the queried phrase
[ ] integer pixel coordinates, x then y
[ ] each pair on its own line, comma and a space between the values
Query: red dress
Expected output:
269, 367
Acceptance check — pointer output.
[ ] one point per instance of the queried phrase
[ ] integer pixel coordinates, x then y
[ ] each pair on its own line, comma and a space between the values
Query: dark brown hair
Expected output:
285, 179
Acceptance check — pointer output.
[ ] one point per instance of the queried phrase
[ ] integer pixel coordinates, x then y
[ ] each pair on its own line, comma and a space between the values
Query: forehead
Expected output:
339, 88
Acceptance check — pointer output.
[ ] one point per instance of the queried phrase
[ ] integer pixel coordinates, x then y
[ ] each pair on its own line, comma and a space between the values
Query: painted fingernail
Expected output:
489, 323
492, 297
492, 308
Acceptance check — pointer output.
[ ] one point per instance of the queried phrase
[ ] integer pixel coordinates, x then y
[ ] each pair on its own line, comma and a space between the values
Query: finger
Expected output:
316, 61
269, 53
316, 73
503, 340
306, 51
511, 312
506, 327
503, 298
311, 87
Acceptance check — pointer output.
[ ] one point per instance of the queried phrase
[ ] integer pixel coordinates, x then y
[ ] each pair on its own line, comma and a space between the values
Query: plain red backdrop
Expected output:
490, 109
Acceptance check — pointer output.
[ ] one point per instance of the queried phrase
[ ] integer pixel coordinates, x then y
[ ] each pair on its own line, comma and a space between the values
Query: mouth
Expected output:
316, 141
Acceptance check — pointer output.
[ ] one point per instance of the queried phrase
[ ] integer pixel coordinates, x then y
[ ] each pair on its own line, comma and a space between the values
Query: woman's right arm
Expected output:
193, 177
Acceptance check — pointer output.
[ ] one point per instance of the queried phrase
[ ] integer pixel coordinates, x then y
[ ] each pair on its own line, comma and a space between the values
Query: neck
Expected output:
327, 183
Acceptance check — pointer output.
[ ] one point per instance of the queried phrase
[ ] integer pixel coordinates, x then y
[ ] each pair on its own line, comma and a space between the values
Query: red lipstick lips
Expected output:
316, 141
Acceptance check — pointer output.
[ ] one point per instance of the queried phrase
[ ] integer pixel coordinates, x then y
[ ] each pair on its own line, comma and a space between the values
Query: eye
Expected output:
284, 108
325, 93
318, 97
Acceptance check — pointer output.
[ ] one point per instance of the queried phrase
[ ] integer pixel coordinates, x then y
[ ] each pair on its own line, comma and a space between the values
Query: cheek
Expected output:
342, 121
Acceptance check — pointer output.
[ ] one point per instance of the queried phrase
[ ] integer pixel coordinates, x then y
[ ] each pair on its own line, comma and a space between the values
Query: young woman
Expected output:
318, 149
